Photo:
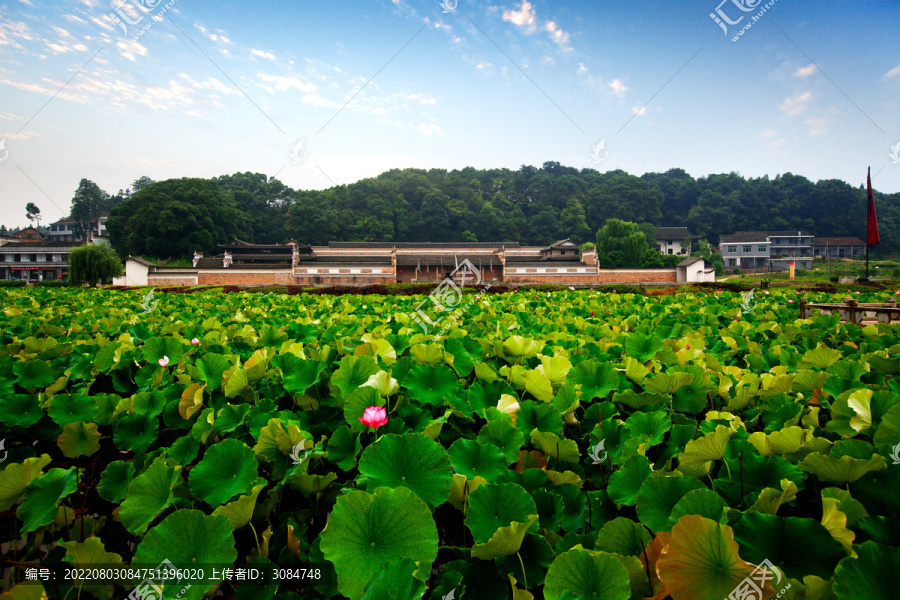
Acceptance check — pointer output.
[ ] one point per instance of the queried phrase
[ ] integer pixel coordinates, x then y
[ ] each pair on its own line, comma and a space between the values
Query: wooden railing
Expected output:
852, 311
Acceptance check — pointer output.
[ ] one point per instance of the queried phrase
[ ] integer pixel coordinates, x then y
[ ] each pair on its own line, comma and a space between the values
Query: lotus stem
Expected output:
524, 577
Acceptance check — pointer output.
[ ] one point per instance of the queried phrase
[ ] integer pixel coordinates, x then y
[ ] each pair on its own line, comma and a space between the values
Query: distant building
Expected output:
64, 230
29, 234
35, 261
748, 251
366, 263
669, 240
839, 247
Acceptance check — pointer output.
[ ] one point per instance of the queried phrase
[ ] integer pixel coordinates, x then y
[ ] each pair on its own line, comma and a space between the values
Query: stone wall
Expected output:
167, 279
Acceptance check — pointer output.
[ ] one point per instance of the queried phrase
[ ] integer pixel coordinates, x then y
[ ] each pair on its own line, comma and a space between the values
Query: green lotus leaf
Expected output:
33, 374
427, 354
622, 536
91, 554
821, 358
667, 383
68, 408
702, 561
230, 417
484, 394
410, 460
555, 368
395, 581
42, 496
504, 436
463, 357
20, 410
597, 379
353, 372
277, 440
240, 512
492, 506
272, 336
184, 450
585, 575
771, 499
236, 383
431, 384
659, 495
115, 480
472, 459
155, 348
553, 446
643, 347
298, 375
148, 403
625, 484
365, 531
871, 575
79, 439
889, 429
652, 424
844, 470
851, 507
538, 415
211, 369
343, 447
708, 448
703, 502
538, 385
799, 546
16, 477
148, 495
521, 347
135, 432
226, 470
536, 556
188, 537
505, 541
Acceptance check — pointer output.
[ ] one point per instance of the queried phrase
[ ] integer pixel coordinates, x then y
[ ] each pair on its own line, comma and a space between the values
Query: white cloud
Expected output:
767, 135
560, 37
524, 17
806, 71
618, 87
639, 110
104, 22
283, 84
262, 54
582, 69
316, 100
796, 104
893, 72
421, 98
429, 129
818, 125
128, 49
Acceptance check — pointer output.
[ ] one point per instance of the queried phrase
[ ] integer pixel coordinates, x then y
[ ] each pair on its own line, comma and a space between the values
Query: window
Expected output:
33, 258
732, 249
748, 249
668, 242
732, 262
670, 251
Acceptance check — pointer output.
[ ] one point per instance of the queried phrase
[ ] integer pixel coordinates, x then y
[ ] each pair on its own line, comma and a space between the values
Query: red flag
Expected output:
872, 236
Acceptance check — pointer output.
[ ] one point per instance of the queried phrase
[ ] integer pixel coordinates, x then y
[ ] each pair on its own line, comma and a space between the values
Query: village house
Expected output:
366, 263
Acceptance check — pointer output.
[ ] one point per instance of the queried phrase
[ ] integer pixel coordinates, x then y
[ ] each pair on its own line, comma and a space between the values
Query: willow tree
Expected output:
92, 264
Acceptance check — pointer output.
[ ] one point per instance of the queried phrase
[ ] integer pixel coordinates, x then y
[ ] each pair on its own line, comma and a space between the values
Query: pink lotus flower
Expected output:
195, 341
857, 292
790, 301
477, 298
688, 347
164, 361
592, 313
374, 417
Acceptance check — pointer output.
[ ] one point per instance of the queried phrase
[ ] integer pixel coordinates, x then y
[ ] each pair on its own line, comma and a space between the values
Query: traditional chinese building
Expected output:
366, 263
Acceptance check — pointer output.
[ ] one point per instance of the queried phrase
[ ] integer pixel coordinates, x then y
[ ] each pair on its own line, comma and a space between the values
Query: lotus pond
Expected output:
560, 446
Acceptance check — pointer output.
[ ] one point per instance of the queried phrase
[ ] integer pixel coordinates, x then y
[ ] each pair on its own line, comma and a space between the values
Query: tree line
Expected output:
533, 206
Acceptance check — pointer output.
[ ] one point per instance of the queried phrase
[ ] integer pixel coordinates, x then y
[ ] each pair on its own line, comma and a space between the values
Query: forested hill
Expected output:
530, 205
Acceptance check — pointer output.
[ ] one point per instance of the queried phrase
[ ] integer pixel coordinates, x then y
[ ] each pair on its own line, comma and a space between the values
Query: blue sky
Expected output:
217, 87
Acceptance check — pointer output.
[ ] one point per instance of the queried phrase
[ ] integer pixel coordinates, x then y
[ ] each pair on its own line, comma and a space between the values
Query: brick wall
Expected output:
167, 281
564, 279
312, 279
245, 278
638, 276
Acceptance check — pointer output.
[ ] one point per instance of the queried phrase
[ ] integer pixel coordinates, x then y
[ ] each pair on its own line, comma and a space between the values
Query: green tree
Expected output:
33, 213
173, 218
623, 237
93, 264
649, 231
88, 204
